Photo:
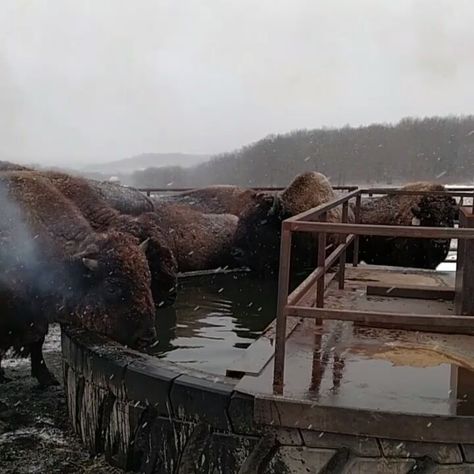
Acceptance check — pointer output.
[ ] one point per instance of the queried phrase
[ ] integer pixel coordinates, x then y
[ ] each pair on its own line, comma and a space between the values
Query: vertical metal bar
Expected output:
342, 258
472, 204
357, 221
321, 262
283, 288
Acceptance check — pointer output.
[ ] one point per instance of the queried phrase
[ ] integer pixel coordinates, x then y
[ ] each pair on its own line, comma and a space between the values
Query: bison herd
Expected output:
104, 257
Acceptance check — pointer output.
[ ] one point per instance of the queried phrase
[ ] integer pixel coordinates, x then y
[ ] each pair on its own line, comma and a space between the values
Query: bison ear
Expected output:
91, 264
144, 245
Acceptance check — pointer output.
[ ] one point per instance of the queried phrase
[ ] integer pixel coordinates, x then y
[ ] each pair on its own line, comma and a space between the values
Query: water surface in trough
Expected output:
214, 319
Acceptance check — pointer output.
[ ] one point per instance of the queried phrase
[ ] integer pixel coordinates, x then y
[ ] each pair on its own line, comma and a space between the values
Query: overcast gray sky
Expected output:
105, 79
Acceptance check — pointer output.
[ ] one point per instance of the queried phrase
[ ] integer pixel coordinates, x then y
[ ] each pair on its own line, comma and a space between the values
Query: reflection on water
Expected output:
214, 319
349, 370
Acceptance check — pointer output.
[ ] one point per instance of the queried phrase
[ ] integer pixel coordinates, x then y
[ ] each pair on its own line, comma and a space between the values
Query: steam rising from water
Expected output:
24, 270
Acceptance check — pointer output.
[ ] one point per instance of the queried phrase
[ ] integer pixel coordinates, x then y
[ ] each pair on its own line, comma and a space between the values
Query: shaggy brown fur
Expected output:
103, 217
257, 239
430, 211
200, 241
55, 267
223, 199
124, 199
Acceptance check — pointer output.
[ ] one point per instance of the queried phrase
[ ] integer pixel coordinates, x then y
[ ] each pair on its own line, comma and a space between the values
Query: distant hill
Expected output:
146, 160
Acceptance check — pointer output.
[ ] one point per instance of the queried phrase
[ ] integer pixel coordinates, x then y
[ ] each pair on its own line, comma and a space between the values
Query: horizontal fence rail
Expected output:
149, 191
315, 221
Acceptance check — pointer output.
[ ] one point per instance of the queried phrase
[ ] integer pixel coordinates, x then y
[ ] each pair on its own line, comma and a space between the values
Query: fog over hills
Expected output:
146, 160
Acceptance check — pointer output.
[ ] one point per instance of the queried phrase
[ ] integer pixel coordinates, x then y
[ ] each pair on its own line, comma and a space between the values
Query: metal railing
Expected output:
150, 191
314, 220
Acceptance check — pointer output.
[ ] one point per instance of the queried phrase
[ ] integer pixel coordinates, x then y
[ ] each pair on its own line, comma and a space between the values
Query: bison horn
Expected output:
144, 244
91, 249
91, 264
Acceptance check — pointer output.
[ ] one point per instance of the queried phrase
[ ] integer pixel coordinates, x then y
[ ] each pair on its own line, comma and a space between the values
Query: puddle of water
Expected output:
215, 318
367, 371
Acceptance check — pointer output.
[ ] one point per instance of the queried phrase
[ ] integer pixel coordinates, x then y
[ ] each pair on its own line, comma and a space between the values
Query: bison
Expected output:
55, 267
103, 216
427, 210
124, 199
223, 199
198, 241
257, 238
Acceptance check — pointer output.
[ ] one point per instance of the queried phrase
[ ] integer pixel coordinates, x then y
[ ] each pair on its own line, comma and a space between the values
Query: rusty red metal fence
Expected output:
150, 191
314, 220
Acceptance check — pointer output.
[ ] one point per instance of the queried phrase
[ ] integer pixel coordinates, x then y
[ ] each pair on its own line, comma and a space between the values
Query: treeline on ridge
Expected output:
414, 149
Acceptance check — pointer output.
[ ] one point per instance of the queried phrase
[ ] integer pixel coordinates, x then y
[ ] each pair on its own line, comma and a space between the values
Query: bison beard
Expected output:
56, 268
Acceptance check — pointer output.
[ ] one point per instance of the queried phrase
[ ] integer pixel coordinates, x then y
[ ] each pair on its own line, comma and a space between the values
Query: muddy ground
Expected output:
34, 431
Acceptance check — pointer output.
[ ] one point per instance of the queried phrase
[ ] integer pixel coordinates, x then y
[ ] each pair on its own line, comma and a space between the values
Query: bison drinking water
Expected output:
55, 267
199, 241
103, 217
257, 239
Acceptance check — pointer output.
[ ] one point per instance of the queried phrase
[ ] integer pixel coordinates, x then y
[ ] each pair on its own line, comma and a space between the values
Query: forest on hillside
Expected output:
439, 148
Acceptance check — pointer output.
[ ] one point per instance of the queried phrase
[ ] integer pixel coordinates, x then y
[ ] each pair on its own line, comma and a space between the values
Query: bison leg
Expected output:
3, 379
38, 365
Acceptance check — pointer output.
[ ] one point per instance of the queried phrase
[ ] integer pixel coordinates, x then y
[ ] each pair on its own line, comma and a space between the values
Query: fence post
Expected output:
342, 258
321, 263
283, 288
356, 238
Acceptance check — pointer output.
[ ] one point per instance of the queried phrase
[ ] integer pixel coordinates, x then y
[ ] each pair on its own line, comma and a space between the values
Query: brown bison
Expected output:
55, 267
224, 199
124, 199
199, 241
257, 238
102, 216
428, 210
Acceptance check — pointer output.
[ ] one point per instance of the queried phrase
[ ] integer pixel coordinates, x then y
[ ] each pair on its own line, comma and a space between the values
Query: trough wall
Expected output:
155, 417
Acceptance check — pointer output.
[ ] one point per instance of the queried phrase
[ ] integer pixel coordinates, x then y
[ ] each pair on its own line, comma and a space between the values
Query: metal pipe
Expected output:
283, 288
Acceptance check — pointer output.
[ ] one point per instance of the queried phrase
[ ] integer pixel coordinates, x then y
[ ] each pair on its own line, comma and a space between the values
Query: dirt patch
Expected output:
413, 356
35, 436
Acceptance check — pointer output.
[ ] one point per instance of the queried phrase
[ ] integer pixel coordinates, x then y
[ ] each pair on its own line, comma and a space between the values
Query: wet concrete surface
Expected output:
342, 365
34, 429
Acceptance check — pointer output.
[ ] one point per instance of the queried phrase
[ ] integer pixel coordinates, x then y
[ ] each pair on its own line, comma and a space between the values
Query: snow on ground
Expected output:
35, 436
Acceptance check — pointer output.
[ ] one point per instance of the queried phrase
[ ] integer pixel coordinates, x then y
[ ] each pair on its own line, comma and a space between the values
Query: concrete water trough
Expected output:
354, 391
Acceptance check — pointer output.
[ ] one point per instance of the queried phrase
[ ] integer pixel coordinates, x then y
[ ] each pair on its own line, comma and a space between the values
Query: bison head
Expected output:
109, 290
161, 260
257, 238
435, 211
